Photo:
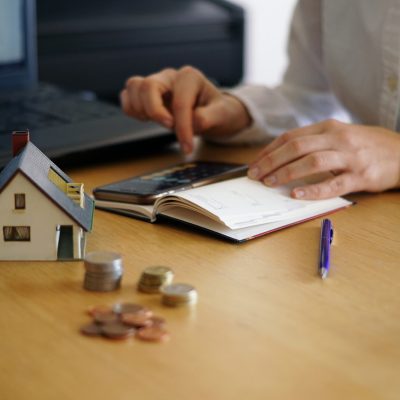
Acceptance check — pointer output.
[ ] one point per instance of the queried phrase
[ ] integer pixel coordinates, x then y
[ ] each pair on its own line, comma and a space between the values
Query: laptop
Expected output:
60, 122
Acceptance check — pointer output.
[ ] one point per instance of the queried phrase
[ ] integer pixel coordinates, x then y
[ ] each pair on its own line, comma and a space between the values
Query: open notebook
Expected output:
238, 209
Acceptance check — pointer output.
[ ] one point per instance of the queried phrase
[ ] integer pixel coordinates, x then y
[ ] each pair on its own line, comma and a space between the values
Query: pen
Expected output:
325, 248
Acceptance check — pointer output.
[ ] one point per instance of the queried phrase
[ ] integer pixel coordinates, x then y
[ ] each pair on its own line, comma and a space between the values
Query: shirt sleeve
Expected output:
305, 96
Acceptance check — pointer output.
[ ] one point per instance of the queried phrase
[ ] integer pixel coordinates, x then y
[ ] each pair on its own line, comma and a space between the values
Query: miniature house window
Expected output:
19, 199
17, 233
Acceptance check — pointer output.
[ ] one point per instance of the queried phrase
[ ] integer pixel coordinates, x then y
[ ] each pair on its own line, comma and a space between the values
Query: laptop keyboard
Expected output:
49, 106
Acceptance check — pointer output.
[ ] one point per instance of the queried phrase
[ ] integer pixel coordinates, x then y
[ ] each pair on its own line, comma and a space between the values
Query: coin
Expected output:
102, 286
178, 289
148, 289
178, 294
153, 334
122, 320
117, 330
100, 309
157, 272
91, 329
154, 277
105, 258
137, 320
173, 303
103, 271
128, 308
105, 318
157, 321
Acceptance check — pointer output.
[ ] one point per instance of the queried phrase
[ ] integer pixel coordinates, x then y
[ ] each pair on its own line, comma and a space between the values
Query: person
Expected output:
336, 111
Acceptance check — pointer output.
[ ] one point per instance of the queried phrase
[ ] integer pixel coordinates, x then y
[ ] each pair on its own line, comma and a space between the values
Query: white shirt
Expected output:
344, 63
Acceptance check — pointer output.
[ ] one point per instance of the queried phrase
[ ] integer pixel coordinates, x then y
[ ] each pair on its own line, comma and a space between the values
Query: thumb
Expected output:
224, 116
206, 118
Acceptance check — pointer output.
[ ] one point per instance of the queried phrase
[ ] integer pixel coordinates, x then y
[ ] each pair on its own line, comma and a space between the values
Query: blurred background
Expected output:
95, 45
266, 31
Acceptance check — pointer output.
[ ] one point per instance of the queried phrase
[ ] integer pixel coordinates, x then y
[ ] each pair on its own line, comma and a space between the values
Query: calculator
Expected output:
145, 189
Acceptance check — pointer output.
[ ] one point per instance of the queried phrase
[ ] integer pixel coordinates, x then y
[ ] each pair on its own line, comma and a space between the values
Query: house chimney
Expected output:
19, 140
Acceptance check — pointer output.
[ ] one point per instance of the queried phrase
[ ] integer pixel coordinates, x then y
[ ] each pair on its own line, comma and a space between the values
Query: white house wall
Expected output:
78, 237
41, 214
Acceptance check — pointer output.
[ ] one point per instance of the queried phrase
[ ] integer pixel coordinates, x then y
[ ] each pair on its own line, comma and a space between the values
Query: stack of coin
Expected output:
153, 278
103, 271
125, 320
178, 294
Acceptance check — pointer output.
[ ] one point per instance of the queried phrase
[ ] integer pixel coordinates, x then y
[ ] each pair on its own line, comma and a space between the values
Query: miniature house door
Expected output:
65, 247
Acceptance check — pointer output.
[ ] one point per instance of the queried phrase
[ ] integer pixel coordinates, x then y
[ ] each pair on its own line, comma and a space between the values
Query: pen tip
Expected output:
324, 273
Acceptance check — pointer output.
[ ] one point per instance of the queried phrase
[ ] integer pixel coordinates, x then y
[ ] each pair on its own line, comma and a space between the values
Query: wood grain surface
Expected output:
265, 327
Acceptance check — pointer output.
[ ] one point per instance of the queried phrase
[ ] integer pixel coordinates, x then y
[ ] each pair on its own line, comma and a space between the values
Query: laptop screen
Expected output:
17, 44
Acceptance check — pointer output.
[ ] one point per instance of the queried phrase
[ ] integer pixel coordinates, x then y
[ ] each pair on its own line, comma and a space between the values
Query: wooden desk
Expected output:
266, 326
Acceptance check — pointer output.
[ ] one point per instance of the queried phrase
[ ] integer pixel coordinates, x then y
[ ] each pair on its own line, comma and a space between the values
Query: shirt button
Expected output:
392, 82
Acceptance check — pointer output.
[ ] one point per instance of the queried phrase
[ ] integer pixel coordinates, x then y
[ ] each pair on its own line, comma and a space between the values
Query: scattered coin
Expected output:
138, 320
158, 321
124, 320
91, 329
117, 330
103, 271
100, 309
178, 294
153, 334
153, 278
128, 308
103, 319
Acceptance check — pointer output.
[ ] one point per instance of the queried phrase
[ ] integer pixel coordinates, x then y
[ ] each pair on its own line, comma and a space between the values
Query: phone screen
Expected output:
145, 189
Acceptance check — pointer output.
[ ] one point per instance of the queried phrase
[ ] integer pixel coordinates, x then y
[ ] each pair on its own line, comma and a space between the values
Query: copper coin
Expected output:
104, 319
100, 309
152, 334
157, 321
144, 312
91, 329
117, 330
127, 308
137, 320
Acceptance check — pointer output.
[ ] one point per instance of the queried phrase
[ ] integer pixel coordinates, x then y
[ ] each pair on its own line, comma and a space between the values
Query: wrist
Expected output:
241, 118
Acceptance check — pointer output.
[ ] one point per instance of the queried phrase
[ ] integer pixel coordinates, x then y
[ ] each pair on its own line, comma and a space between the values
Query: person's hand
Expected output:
185, 100
361, 158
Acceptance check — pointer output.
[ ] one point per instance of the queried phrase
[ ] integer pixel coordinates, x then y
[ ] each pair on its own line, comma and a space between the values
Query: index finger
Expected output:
187, 88
281, 140
153, 90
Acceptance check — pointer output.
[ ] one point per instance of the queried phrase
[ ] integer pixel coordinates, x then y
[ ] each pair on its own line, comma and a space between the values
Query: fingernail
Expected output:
298, 193
270, 180
253, 173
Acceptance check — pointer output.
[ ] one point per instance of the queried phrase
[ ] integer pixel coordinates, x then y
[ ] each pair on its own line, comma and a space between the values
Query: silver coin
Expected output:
98, 269
103, 271
103, 261
178, 289
103, 257
178, 294
172, 303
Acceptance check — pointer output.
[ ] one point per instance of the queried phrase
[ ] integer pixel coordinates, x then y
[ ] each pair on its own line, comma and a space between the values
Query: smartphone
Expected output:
145, 189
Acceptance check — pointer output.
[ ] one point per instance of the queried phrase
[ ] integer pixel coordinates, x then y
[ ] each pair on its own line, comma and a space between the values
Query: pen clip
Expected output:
327, 230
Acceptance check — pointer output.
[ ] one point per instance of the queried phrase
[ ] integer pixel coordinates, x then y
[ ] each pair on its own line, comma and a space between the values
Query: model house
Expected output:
43, 214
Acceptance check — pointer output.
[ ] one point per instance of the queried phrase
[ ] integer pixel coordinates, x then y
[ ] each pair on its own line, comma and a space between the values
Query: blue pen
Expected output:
325, 248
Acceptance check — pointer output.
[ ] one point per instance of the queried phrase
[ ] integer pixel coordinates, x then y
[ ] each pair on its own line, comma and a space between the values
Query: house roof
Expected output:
32, 163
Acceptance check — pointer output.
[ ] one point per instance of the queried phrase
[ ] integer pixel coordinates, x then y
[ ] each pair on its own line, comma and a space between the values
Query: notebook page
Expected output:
242, 202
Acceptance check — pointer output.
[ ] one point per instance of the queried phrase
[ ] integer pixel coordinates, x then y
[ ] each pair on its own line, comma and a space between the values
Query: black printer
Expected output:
97, 44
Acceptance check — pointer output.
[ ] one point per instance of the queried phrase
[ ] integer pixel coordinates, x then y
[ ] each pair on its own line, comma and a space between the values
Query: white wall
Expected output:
266, 36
